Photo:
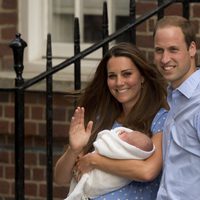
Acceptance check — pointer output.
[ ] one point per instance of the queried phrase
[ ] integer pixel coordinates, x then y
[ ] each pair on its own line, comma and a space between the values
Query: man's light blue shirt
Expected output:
181, 143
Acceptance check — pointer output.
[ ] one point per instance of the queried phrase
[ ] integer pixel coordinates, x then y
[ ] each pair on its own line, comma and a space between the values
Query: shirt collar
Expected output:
188, 87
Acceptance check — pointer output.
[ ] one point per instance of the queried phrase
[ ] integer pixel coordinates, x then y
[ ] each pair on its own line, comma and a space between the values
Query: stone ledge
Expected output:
63, 80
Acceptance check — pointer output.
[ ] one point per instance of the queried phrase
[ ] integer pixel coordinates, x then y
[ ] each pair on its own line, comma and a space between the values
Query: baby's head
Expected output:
137, 139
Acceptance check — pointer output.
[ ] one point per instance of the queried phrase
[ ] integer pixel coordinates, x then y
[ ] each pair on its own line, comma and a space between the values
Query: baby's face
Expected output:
127, 137
137, 139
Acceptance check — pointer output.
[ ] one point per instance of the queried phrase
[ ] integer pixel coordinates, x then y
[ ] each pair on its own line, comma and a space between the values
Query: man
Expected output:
175, 57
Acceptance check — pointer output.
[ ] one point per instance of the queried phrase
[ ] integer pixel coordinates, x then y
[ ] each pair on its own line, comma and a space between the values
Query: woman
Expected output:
125, 91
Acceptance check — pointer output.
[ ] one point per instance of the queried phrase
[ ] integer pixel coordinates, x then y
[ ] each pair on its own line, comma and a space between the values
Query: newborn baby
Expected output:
118, 143
136, 139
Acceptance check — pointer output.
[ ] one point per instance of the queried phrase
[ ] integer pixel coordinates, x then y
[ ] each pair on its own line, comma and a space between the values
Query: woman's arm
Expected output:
139, 170
64, 167
78, 138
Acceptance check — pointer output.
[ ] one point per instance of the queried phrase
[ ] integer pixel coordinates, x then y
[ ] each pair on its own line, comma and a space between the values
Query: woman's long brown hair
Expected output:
103, 109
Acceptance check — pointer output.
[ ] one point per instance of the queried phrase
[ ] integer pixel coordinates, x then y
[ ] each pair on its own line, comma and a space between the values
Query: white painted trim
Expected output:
33, 27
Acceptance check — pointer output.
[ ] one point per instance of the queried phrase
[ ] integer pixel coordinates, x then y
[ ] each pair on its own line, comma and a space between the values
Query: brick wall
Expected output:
35, 170
144, 38
8, 27
35, 143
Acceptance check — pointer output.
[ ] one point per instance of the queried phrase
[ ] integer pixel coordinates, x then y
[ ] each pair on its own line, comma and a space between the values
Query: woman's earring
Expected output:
142, 84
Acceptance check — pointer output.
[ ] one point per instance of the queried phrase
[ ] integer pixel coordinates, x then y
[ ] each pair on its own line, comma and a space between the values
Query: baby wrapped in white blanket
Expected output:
118, 143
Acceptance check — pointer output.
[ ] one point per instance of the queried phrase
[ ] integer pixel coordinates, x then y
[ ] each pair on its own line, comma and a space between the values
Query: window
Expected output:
37, 18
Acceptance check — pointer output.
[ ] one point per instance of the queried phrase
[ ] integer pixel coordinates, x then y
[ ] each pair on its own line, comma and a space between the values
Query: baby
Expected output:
137, 139
118, 143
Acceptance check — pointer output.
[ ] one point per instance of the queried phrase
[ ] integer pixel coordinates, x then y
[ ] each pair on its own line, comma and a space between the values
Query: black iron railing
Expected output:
18, 46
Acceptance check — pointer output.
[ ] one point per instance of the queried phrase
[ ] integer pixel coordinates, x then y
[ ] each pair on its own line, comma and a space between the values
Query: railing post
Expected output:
161, 12
77, 68
132, 13
186, 9
49, 121
105, 27
18, 46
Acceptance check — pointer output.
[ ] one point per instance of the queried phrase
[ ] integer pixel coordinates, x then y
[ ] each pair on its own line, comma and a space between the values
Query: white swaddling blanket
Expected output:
97, 182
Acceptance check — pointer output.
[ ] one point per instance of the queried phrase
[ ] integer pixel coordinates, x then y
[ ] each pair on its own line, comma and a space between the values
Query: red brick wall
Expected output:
144, 38
8, 27
35, 143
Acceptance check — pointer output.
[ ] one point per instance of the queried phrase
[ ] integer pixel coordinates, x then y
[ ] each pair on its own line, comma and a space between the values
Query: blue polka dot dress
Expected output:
139, 190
